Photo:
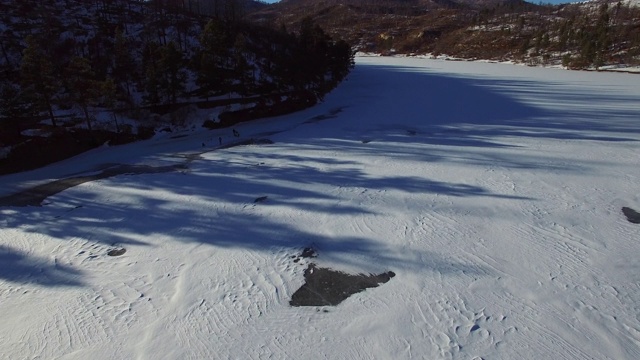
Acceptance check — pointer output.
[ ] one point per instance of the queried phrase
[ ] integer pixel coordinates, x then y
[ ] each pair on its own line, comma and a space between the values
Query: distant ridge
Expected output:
586, 35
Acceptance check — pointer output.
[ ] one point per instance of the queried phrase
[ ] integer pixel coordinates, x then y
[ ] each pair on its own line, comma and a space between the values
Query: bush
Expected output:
145, 132
210, 124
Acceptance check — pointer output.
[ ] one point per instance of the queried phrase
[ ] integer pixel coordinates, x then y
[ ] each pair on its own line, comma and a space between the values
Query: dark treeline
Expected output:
126, 54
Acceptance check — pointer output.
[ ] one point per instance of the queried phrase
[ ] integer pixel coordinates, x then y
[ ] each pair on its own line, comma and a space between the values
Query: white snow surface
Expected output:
493, 191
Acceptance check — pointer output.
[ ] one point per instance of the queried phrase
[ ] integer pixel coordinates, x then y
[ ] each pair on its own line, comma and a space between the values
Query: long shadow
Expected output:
450, 100
36, 195
387, 111
234, 183
579, 115
18, 267
422, 99
399, 109
437, 103
242, 225
162, 203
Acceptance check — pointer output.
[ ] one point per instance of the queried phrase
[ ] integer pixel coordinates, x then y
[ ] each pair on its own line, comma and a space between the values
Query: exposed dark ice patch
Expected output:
474, 328
117, 252
329, 287
632, 215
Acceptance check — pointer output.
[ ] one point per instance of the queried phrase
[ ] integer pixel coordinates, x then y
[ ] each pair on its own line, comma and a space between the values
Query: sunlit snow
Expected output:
494, 193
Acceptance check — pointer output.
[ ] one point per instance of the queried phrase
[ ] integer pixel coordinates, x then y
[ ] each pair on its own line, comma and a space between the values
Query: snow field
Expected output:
492, 191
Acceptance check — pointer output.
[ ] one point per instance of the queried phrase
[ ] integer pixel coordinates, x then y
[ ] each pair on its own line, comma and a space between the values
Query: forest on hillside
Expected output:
78, 74
127, 55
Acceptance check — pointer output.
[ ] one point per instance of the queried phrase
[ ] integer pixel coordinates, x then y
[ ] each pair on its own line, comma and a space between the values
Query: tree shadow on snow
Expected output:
18, 267
397, 113
472, 111
213, 204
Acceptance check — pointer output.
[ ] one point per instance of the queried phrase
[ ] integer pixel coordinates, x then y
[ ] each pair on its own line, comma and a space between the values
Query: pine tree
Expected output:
83, 89
151, 85
311, 60
150, 80
602, 36
244, 72
124, 66
109, 98
12, 101
342, 60
213, 74
38, 80
563, 35
173, 75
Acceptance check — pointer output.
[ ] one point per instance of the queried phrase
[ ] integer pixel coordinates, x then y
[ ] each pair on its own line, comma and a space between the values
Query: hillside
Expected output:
578, 36
70, 64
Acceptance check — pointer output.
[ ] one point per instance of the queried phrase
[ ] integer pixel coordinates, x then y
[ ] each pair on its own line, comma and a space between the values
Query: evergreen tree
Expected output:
109, 98
83, 90
151, 80
38, 80
342, 60
152, 85
12, 101
564, 35
602, 36
213, 75
311, 60
172, 74
124, 66
243, 70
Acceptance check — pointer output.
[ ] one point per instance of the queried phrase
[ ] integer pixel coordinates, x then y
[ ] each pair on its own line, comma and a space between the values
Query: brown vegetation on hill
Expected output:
586, 35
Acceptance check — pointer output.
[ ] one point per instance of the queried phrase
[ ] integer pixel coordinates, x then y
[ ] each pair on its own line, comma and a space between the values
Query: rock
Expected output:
117, 252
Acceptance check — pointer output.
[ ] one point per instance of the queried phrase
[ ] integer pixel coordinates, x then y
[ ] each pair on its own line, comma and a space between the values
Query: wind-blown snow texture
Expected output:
493, 192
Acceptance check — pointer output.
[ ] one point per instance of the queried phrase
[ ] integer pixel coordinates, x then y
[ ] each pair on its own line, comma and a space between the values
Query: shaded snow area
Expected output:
486, 198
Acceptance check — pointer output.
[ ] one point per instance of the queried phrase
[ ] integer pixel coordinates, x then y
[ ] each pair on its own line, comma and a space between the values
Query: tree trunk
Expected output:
115, 119
53, 118
86, 116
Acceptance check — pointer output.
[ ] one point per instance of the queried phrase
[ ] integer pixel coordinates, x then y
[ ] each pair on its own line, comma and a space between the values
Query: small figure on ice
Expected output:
236, 133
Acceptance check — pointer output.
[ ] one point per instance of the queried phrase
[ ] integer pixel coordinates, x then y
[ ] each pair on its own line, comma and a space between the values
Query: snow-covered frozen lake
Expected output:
492, 191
